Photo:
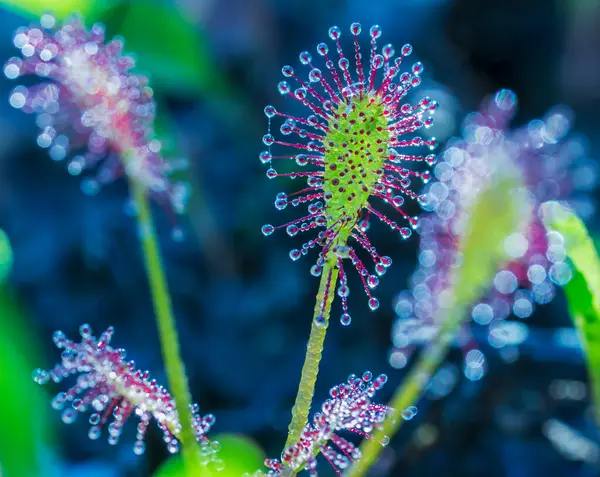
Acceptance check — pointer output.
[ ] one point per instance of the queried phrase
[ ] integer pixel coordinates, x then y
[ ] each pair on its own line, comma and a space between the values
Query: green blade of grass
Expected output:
583, 290
24, 425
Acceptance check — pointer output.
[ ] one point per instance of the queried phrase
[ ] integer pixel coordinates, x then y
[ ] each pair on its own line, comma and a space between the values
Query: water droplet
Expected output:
409, 413
320, 321
315, 75
375, 31
335, 32
292, 230
40, 376
300, 93
295, 254
139, 448
398, 200
305, 57
372, 281
385, 440
12, 70
78, 405
271, 173
68, 416
388, 51
287, 71
267, 229
506, 99
173, 446
322, 49
343, 291
406, 50
342, 251
17, 100
47, 20
94, 432
301, 159
373, 303
405, 232
270, 111
58, 402
345, 319
355, 28
283, 87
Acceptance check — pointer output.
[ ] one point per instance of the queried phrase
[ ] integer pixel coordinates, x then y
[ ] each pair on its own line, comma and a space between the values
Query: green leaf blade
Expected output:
583, 290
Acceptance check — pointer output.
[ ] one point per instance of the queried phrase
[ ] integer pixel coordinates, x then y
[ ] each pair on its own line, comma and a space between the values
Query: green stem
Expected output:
314, 350
407, 394
167, 331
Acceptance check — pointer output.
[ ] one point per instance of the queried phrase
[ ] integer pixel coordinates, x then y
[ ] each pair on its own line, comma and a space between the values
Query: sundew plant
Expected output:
497, 216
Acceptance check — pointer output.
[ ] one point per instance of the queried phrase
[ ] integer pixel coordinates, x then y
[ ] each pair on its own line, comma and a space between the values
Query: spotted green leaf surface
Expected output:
24, 425
583, 291
240, 454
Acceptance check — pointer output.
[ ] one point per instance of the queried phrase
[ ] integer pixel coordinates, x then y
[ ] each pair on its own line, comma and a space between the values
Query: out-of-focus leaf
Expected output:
501, 209
498, 210
239, 454
24, 428
583, 290
6, 256
166, 45
60, 8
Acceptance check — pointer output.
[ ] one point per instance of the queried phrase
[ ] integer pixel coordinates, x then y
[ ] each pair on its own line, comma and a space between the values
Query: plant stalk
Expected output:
314, 351
167, 331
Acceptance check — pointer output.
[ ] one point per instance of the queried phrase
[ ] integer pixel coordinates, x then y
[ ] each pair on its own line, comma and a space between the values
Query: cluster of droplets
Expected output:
114, 390
91, 110
348, 146
552, 167
349, 408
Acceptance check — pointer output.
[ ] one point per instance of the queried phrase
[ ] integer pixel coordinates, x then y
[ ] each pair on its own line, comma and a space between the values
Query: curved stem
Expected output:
314, 350
167, 331
407, 394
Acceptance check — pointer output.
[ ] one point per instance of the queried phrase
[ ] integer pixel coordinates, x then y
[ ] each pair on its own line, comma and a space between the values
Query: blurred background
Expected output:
243, 307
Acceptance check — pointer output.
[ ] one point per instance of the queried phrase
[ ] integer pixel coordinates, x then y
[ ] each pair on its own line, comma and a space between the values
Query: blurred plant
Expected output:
178, 59
94, 99
237, 455
551, 168
61, 8
350, 408
93, 103
112, 386
497, 207
26, 437
583, 291
357, 128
